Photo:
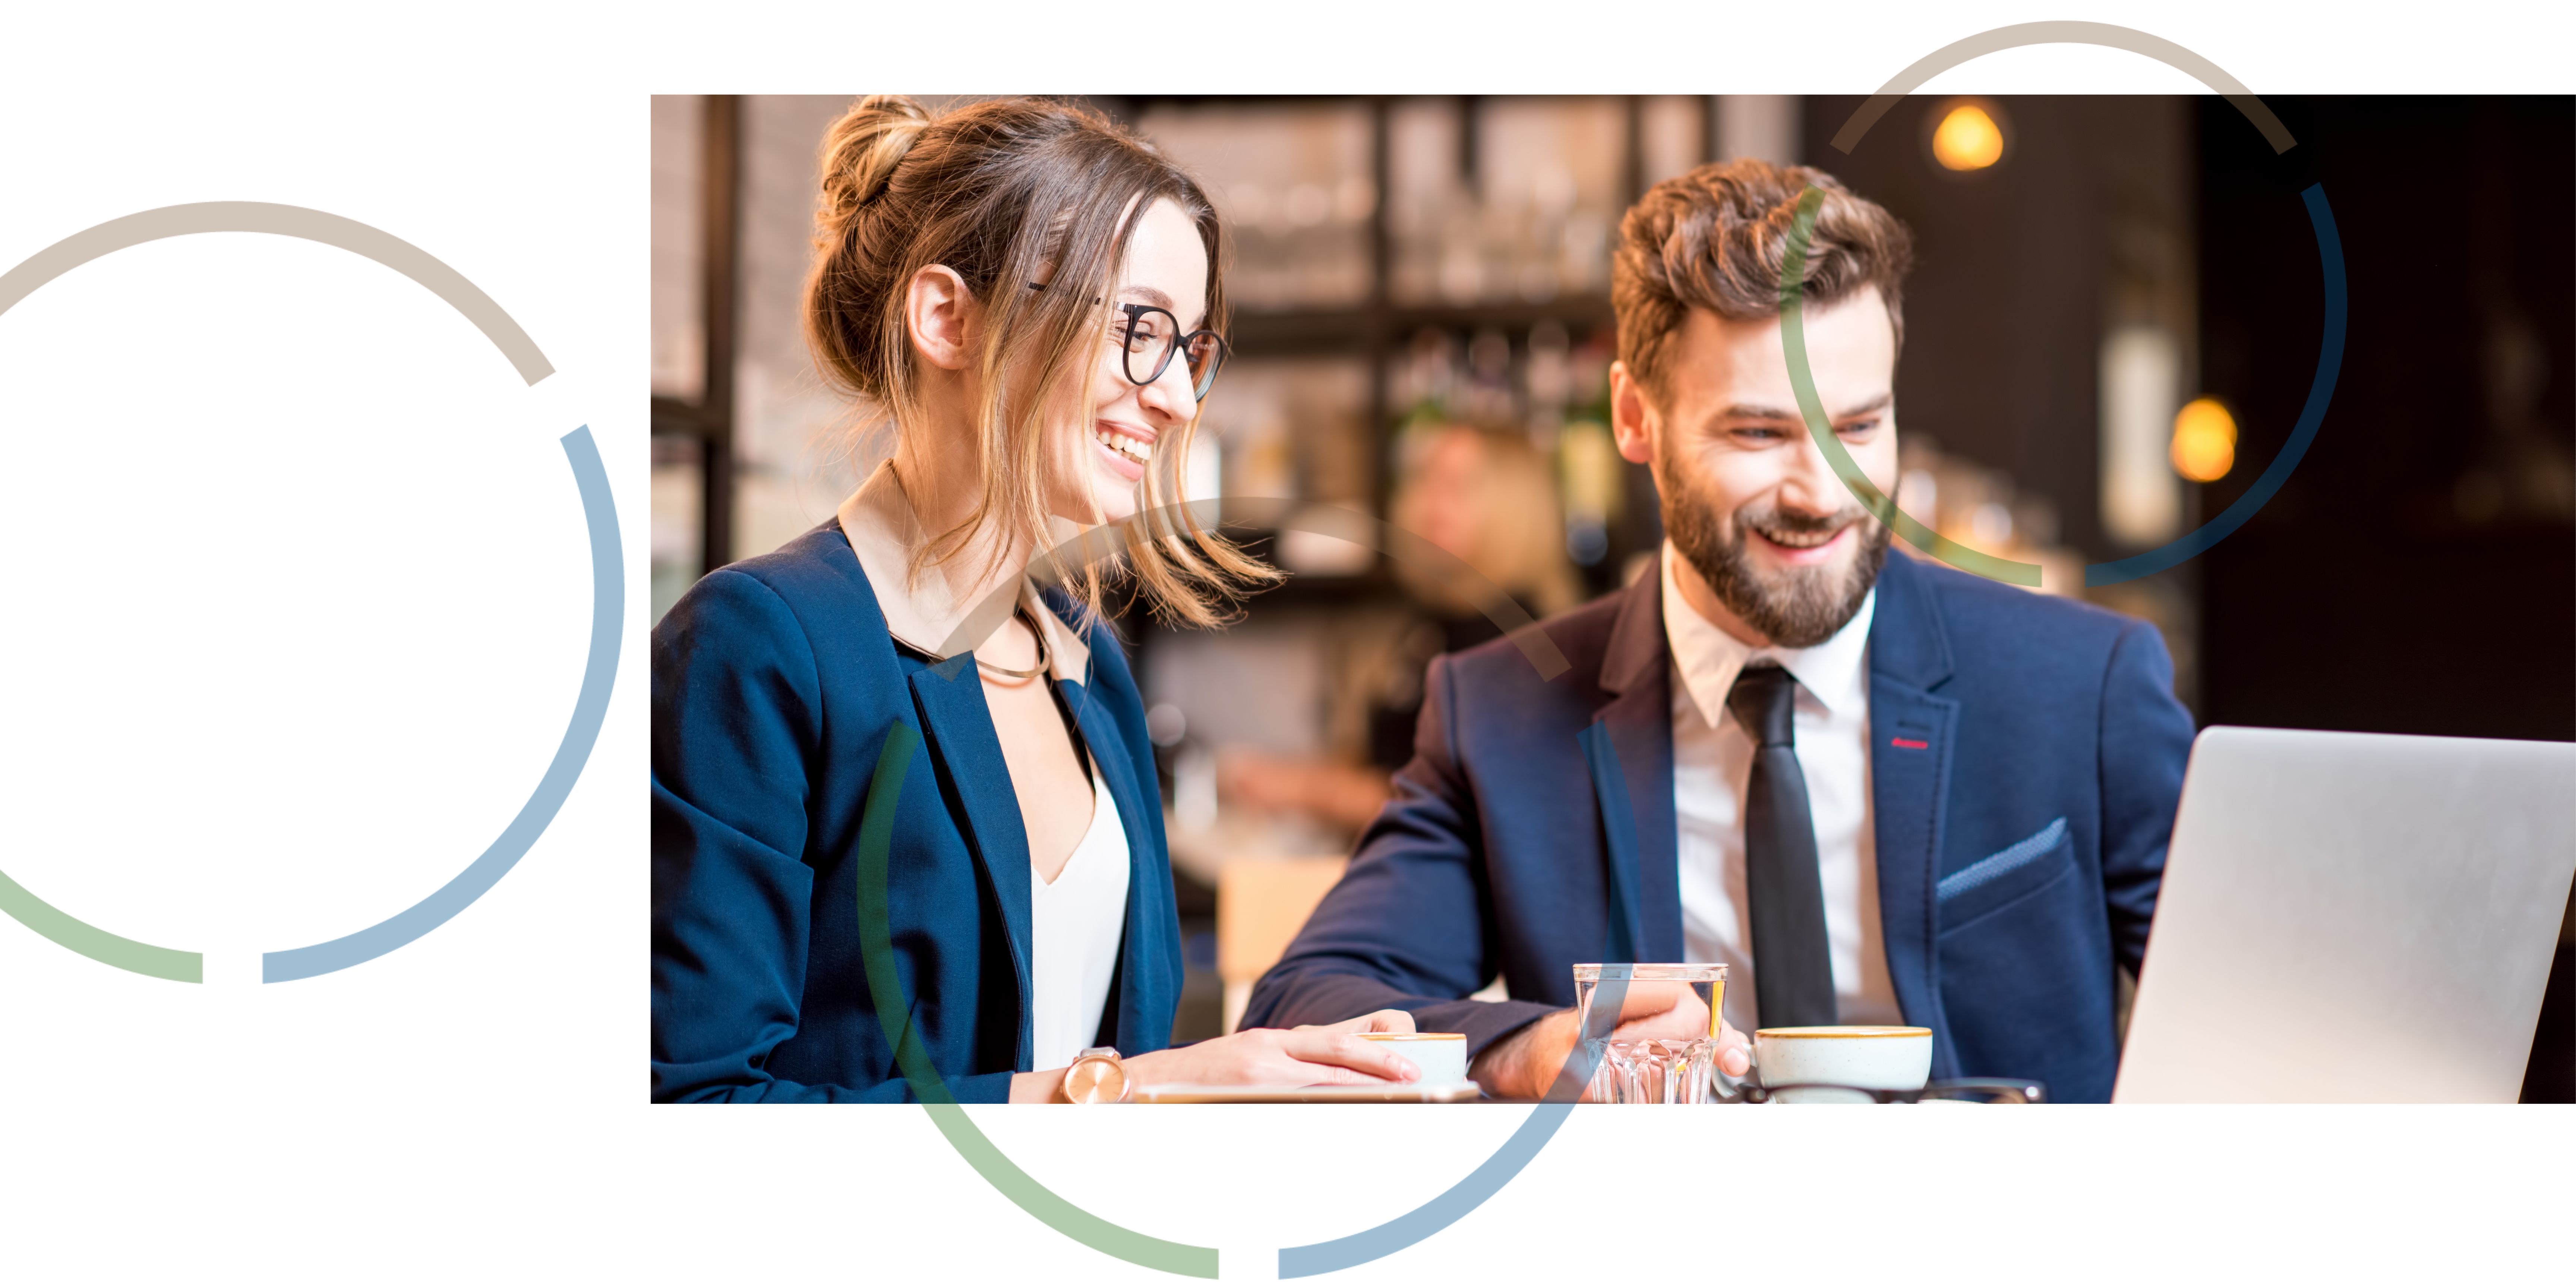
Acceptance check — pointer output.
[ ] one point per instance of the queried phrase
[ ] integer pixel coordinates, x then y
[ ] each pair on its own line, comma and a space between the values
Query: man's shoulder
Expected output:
1993, 622
1522, 658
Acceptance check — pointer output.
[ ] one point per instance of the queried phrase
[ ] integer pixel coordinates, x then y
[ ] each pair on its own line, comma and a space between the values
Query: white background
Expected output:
297, 604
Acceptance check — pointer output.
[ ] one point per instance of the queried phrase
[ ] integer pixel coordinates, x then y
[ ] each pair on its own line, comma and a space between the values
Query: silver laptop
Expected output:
2353, 917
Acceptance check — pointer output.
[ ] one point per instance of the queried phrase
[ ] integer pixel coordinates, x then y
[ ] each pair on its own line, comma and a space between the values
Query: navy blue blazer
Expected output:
775, 684
2027, 755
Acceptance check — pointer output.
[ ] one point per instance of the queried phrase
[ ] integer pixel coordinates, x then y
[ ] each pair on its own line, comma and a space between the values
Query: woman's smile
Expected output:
1125, 448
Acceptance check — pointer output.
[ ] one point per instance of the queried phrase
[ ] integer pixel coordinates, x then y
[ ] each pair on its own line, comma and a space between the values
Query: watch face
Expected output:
1095, 1080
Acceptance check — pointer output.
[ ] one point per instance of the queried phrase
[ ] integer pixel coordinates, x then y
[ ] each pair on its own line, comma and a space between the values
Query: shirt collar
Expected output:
1834, 673
922, 612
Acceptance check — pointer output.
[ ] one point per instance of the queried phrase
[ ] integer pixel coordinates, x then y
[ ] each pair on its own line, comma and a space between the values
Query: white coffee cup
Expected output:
1442, 1057
1875, 1057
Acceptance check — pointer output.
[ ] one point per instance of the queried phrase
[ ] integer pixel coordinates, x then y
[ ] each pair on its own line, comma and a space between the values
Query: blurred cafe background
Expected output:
2112, 327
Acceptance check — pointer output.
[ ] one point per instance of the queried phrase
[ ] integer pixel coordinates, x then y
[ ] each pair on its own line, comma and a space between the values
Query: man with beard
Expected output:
1880, 790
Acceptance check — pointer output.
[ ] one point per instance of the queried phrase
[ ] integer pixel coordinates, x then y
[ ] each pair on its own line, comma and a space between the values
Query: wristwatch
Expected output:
1096, 1077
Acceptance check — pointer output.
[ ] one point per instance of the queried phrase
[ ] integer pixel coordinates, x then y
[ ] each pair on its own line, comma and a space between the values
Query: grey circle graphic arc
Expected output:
599, 510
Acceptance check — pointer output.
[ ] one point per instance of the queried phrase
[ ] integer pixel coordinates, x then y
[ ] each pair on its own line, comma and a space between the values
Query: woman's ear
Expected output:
939, 313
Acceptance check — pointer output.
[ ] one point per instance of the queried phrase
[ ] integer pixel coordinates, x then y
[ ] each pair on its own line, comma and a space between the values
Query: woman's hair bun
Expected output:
997, 193
863, 149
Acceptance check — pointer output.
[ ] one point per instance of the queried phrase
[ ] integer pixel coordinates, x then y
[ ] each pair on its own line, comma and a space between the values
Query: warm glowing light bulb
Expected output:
1968, 139
2204, 441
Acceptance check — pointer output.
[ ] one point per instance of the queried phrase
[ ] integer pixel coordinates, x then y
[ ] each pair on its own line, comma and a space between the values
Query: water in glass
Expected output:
1673, 1069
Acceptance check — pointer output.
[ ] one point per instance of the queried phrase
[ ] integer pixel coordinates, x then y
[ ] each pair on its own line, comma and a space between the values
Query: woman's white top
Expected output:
1076, 922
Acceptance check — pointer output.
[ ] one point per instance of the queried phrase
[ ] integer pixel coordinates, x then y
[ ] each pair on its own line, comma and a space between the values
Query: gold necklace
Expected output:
1033, 672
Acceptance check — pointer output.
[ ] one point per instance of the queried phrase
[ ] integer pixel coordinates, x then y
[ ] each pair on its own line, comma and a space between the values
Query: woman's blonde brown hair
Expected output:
1010, 193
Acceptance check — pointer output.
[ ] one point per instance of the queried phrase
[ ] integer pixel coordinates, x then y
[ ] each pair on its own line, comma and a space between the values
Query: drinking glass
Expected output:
1647, 1071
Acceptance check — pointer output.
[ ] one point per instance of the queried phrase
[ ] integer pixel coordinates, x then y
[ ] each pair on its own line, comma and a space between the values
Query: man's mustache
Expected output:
1777, 520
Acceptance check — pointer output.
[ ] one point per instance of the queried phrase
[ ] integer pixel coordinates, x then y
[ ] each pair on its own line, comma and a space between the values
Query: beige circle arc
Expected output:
284, 221
2063, 33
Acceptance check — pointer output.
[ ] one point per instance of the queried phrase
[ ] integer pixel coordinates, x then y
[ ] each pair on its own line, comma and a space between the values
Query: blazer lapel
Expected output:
1629, 749
1910, 731
962, 744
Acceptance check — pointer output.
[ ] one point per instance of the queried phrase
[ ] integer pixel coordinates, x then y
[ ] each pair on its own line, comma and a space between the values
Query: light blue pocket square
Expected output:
2000, 862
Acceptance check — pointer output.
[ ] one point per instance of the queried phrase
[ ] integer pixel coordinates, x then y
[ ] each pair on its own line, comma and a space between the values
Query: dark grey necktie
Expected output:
1793, 978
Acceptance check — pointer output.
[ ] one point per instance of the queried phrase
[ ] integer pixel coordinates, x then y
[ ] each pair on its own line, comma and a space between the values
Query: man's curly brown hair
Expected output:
1715, 239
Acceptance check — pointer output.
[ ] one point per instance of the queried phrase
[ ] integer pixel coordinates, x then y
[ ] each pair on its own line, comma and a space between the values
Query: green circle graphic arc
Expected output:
885, 991
894, 1011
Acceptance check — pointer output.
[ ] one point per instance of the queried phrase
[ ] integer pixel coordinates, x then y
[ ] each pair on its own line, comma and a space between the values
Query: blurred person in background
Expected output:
1881, 791
1485, 496
1030, 295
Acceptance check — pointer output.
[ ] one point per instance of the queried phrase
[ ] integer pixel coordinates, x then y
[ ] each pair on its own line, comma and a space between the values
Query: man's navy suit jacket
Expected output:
2026, 758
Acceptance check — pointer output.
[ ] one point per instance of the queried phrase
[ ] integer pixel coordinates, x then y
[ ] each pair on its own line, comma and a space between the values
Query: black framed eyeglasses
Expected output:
1973, 1091
1149, 336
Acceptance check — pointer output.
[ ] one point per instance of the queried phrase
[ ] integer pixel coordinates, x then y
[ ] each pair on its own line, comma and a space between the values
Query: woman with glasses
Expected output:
907, 833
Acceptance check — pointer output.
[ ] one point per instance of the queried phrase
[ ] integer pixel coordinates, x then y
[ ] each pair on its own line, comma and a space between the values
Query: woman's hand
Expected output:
1300, 1057
1373, 1022
1330, 1054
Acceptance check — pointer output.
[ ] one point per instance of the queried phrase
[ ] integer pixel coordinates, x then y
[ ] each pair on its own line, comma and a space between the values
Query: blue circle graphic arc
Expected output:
607, 609
2320, 392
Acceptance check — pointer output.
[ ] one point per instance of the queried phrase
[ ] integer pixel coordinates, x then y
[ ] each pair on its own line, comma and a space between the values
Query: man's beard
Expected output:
1806, 606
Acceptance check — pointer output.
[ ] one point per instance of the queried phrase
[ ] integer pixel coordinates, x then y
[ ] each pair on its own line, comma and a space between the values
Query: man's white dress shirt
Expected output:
1712, 763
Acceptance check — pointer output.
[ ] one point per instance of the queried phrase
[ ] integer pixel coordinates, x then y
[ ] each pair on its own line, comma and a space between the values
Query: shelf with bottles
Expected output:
1351, 217
1301, 427
1262, 332
1514, 200
1294, 180
1399, 265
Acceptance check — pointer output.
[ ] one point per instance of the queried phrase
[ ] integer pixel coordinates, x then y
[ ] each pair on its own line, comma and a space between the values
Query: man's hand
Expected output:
1526, 1063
